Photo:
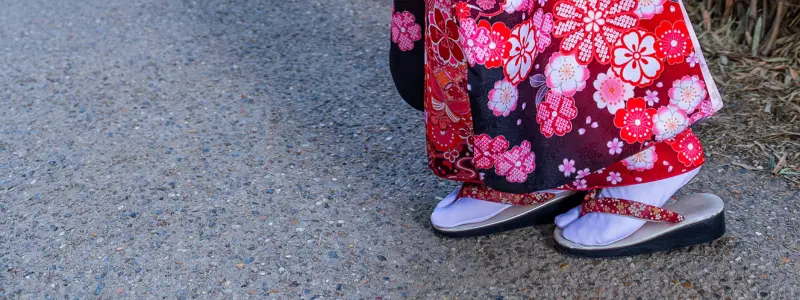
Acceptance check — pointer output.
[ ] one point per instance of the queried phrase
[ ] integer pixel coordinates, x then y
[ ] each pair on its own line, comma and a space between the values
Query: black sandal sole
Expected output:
702, 232
541, 216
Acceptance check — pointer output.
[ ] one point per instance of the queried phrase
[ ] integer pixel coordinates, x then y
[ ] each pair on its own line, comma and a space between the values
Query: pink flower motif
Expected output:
615, 146
612, 92
669, 121
568, 167
405, 31
565, 75
580, 184
517, 163
693, 59
614, 177
544, 25
590, 28
474, 41
647, 9
583, 173
651, 97
487, 150
503, 98
555, 114
687, 93
642, 161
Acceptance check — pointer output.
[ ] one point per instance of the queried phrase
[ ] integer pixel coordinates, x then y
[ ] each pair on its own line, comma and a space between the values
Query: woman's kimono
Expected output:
527, 95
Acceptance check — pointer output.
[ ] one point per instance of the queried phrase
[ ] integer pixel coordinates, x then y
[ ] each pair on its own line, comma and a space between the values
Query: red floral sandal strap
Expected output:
482, 192
628, 208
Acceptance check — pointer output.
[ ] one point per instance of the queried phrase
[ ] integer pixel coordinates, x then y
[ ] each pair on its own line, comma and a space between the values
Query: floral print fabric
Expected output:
628, 208
528, 95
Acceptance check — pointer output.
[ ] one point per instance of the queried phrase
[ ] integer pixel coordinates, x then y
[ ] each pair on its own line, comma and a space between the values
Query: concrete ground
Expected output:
232, 149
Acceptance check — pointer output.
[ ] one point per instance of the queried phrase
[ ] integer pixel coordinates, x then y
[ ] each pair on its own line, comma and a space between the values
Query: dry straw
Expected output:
753, 49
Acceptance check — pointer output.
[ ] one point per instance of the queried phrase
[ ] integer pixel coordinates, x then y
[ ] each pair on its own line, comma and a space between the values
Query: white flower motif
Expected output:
565, 75
668, 122
687, 92
583, 173
503, 98
635, 60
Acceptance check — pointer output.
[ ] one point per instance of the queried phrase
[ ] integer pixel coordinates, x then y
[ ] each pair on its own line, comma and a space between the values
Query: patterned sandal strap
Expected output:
628, 208
482, 192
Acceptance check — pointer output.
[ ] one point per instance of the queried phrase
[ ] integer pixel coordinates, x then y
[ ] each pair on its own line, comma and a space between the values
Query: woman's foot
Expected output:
451, 213
597, 229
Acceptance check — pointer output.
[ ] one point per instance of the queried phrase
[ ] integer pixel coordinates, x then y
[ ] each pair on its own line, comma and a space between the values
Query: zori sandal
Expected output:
691, 220
490, 217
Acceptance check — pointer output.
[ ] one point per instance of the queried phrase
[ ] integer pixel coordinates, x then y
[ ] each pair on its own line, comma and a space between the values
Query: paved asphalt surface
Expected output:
238, 149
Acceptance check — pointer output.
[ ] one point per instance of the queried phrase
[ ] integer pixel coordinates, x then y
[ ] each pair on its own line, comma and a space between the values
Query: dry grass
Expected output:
757, 68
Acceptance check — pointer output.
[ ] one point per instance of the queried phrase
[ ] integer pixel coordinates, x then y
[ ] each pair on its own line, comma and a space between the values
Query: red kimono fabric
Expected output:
527, 95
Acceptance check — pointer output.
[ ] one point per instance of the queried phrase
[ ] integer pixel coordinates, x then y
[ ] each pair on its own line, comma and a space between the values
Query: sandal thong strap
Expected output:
482, 192
628, 208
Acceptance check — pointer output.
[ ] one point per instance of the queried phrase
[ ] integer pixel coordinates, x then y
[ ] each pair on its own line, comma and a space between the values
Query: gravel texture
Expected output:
239, 149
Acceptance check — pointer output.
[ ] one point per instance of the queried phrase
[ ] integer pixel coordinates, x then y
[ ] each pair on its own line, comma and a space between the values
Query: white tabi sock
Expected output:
451, 213
597, 229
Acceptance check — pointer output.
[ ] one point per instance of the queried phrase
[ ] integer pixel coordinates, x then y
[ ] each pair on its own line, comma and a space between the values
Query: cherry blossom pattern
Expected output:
568, 167
543, 22
583, 173
474, 40
669, 121
690, 151
614, 146
635, 121
565, 75
487, 150
499, 34
674, 42
405, 31
520, 50
693, 59
644, 160
651, 97
517, 163
612, 92
590, 28
580, 184
647, 9
614, 177
635, 59
555, 114
503, 98
687, 92
443, 33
